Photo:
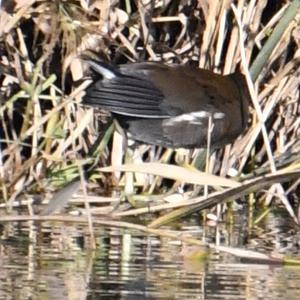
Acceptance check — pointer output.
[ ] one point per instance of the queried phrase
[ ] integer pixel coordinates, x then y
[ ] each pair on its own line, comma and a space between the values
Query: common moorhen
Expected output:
171, 106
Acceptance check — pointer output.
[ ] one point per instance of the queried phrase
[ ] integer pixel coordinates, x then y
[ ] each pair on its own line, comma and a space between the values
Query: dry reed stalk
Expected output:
46, 134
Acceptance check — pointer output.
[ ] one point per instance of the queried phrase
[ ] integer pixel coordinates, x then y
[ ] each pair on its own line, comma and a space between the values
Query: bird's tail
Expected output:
106, 70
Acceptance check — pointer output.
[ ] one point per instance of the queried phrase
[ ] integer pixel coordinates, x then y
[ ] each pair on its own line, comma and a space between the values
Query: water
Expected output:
54, 261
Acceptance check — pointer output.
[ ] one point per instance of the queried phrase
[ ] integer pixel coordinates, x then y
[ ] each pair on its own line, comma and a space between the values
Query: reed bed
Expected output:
49, 141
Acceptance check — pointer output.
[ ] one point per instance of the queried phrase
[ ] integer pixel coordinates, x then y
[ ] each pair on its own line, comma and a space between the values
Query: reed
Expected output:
47, 136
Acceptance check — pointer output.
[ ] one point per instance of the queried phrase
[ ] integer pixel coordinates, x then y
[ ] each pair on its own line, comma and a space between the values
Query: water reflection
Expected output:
54, 261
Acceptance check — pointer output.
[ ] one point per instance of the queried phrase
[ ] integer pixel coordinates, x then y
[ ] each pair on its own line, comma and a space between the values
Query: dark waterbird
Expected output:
171, 106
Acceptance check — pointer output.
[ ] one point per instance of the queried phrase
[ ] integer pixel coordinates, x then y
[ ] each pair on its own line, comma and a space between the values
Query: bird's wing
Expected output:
126, 92
188, 129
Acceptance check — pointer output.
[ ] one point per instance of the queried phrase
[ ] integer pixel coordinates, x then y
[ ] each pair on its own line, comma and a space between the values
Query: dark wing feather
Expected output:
127, 95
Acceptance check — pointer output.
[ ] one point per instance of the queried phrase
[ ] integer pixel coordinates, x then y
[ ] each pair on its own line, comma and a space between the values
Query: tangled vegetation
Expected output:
49, 139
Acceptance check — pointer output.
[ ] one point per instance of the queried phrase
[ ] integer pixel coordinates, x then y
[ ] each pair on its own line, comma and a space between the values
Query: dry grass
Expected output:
46, 135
